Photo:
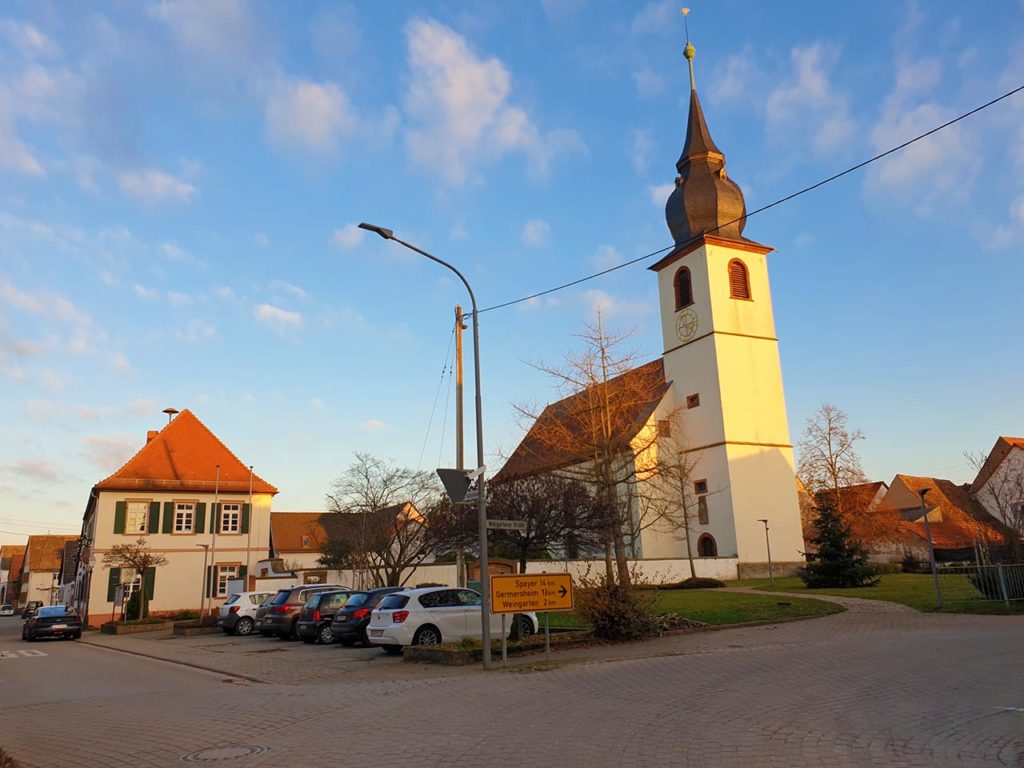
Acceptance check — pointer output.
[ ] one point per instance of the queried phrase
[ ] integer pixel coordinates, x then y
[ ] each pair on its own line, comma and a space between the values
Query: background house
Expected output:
12, 556
44, 556
999, 486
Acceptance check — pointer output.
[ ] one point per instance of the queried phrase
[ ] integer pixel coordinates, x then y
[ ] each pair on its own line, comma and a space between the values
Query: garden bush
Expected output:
615, 612
696, 582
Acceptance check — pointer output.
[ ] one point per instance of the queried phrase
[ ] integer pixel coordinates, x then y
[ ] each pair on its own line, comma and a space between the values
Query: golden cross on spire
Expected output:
689, 51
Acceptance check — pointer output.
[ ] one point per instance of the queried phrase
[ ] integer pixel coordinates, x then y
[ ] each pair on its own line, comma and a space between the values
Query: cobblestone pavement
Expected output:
854, 689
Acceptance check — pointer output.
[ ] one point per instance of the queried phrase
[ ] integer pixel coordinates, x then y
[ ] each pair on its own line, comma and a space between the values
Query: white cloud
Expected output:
603, 302
177, 299
640, 148
52, 381
313, 116
49, 305
657, 17
197, 331
607, 256
659, 194
29, 41
109, 452
348, 236
14, 155
225, 292
36, 469
213, 29
153, 186
143, 292
733, 81
808, 103
282, 286
459, 110
277, 318
176, 253
1017, 210
316, 402
648, 82
375, 425
261, 240
536, 233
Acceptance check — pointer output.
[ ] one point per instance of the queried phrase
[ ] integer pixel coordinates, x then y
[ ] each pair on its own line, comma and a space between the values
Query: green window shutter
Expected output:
112, 581
154, 517
149, 580
168, 517
243, 571
120, 513
216, 519
210, 589
200, 517
245, 518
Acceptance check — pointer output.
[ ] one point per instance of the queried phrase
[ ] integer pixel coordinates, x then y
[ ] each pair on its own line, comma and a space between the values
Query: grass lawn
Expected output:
713, 606
913, 589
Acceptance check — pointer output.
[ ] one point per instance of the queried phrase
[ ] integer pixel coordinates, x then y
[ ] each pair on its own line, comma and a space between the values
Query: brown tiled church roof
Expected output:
638, 392
184, 456
46, 553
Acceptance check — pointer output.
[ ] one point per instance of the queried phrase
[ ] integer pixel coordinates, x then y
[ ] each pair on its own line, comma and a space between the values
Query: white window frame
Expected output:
137, 509
224, 573
235, 509
184, 511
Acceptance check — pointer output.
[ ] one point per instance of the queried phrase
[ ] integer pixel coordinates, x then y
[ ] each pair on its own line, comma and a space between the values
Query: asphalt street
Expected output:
856, 689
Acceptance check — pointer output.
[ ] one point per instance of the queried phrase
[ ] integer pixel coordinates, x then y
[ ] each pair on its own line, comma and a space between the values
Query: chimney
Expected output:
151, 434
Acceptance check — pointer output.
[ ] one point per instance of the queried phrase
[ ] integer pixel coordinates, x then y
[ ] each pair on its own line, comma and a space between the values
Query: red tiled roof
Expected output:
953, 501
14, 556
45, 553
295, 532
856, 499
637, 393
996, 456
956, 535
184, 456
17, 564
8, 551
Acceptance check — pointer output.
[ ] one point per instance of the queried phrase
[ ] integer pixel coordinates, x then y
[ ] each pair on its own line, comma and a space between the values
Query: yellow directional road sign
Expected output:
531, 592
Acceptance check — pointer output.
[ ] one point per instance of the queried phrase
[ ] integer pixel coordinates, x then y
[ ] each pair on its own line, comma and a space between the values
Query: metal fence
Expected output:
992, 583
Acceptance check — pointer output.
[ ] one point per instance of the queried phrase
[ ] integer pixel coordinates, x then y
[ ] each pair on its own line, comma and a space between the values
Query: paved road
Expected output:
856, 689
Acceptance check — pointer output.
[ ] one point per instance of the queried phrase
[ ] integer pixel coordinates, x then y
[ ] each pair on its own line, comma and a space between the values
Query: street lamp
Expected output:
931, 549
768, 544
202, 597
481, 506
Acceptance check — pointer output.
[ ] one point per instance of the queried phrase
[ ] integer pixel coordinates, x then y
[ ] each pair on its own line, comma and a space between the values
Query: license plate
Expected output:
60, 626
376, 633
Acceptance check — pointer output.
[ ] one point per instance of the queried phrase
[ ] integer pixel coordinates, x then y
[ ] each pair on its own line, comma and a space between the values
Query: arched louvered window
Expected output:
706, 546
684, 288
739, 280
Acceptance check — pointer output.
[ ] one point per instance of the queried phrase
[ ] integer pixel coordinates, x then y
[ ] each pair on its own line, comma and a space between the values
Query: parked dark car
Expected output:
315, 620
281, 615
350, 621
30, 608
52, 621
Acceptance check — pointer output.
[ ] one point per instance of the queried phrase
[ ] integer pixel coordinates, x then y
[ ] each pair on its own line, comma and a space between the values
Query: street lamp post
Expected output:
931, 549
768, 544
481, 506
202, 597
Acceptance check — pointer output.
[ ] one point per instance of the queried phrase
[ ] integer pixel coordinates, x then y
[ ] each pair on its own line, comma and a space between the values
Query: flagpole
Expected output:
248, 542
214, 524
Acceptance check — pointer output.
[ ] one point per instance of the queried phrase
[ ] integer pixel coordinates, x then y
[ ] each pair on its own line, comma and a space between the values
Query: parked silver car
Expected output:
238, 614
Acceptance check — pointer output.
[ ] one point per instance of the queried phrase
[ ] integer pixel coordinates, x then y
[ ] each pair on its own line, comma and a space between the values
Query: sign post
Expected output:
516, 593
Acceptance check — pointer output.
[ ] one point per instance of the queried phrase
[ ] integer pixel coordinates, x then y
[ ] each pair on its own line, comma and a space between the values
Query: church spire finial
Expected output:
689, 51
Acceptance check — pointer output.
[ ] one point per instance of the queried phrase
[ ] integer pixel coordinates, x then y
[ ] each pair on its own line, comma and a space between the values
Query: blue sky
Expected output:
179, 184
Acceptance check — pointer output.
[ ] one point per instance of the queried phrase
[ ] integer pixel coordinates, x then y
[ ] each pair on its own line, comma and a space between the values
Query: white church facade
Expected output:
720, 378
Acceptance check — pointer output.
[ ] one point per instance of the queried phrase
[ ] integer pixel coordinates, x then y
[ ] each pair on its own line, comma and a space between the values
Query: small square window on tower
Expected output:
700, 487
692, 401
664, 428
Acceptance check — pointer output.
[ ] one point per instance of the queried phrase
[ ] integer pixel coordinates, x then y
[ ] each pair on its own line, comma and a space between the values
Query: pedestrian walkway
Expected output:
855, 604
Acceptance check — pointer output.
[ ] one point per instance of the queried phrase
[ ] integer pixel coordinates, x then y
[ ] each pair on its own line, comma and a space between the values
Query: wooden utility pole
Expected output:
460, 462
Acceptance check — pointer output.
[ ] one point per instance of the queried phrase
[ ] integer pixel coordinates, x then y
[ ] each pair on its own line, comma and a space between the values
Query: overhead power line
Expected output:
763, 208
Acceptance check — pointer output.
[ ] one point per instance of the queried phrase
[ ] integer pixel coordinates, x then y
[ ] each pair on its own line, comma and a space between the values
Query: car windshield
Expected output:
393, 601
230, 600
53, 610
357, 599
281, 597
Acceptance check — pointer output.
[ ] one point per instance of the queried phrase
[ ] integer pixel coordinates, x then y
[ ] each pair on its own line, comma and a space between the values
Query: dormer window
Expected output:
739, 280
684, 288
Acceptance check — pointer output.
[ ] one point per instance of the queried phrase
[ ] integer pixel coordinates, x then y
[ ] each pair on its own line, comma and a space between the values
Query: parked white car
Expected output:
6, 610
238, 614
433, 615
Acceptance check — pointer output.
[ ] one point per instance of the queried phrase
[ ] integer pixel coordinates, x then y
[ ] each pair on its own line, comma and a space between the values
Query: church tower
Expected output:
722, 357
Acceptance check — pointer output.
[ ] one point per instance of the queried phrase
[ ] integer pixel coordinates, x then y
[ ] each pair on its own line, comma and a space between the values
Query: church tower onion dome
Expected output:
705, 200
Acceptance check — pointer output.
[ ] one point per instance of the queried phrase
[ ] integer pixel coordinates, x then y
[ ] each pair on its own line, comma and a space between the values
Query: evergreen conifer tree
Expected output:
840, 560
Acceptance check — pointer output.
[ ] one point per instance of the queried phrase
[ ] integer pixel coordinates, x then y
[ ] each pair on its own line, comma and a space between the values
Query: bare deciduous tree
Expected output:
828, 455
596, 433
379, 517
1003, 492
140, 558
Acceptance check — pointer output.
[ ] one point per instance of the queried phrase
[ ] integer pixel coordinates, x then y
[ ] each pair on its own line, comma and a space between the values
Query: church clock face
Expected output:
686, 325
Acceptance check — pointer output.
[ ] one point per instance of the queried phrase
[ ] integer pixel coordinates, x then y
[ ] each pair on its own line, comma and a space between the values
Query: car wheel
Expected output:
325, 635
76, 636
392, 650
244, 626
24, 633
525, 626
427, 635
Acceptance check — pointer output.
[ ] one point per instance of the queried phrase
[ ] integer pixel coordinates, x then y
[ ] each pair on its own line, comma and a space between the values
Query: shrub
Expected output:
6, 761
137, 608
617, 613
696, 582
910, 563
839, 559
